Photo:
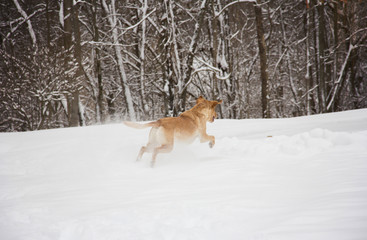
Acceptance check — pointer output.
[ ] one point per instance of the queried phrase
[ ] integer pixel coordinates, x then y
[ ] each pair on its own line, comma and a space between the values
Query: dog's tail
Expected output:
141, 125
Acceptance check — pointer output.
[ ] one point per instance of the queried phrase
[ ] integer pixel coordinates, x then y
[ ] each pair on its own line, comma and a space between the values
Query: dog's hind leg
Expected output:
165, 138
141, 152
152, 143
165, 148
149, 148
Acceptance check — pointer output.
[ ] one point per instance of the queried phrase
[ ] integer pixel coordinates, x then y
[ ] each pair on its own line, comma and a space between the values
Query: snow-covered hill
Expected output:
299, 178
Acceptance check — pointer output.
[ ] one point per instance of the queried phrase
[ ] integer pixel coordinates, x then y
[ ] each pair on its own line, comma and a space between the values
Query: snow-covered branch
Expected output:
209, 68
139, 22
25, 16
338, 83
20, 23
232, 3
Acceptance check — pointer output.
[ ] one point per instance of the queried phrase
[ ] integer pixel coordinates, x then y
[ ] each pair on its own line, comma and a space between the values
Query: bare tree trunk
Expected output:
315, 53
97, 69
78, 57
73, 100
354, 56
111, 15
321, 55
48, 26
308, 76
349, 62
336, 40
340, 82
263, 60
214, 48
175, 61
289, 63
191, 54
166, 64
141, 50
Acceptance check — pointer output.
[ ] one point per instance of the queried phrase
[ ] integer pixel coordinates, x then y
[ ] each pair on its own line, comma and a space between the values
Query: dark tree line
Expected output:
71, 63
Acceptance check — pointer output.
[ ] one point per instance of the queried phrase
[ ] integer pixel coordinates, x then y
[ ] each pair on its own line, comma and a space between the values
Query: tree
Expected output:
110, 11
70, 19
263, 60
97, 67
182, 86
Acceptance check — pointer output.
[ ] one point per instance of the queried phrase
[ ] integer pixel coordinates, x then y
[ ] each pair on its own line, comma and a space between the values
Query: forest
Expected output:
66, 63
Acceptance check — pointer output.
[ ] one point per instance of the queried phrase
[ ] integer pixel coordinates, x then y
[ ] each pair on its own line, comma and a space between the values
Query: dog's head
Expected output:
208, 108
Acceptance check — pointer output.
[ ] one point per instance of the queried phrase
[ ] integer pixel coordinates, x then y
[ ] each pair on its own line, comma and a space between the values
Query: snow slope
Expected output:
299, 178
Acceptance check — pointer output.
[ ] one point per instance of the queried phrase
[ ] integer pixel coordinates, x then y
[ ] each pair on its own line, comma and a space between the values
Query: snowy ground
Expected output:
300, 178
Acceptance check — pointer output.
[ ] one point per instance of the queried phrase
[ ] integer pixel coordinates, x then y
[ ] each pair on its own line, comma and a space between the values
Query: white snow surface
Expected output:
298, 178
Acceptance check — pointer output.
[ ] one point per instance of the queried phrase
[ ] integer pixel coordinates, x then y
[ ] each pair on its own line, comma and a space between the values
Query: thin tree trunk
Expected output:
308, 76
316, 58
191, 54
48, 26
77, 107
175, 61
289, 63
97, 69
73, 100
214, 48
142, 59
120, 64
336, 40
321, 55
263, 60
354, 56
340, 82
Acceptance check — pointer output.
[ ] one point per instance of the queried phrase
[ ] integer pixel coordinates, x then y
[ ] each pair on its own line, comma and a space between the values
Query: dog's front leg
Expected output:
212, 142
205, 138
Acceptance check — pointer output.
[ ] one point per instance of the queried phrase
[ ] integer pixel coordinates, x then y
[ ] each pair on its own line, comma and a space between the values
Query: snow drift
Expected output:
299, 178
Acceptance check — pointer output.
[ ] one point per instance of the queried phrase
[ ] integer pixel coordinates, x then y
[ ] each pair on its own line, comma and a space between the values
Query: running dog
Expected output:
186, 127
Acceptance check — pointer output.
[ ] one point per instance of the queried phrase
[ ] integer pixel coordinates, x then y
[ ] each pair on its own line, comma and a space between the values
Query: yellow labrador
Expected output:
186, 127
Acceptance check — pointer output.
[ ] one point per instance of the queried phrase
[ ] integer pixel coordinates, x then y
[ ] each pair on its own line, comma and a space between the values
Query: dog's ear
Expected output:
200, 99
215, 103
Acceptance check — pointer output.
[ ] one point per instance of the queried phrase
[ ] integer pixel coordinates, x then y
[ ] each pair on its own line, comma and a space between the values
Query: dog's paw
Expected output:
211, 144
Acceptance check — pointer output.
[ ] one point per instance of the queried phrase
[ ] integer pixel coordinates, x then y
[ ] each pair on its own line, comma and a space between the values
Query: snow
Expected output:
278, 179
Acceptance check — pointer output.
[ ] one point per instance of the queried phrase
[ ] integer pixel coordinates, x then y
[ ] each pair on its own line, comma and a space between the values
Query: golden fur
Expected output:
186, 127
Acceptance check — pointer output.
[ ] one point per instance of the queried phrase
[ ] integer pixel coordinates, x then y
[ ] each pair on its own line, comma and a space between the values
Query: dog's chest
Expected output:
186, 135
